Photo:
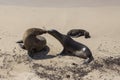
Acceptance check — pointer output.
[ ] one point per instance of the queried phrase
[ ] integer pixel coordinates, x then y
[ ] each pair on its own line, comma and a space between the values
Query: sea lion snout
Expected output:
40, 31
87, 35
52, 31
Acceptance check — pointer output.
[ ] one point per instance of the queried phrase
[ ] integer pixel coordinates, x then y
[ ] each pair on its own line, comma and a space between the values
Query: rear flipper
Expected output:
20, 41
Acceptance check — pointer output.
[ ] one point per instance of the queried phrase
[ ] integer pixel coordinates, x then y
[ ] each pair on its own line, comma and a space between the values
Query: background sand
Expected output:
102, 22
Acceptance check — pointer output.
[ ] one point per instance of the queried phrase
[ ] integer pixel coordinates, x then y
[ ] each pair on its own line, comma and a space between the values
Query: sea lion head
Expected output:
35, 31
87, 35
54, 33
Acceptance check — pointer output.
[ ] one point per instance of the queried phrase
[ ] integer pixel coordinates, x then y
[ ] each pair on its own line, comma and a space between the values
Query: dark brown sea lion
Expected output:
78, 32
72, 47
30, 41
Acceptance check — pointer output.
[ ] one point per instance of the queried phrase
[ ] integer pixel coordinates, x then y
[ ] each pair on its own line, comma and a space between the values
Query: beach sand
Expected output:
101, 22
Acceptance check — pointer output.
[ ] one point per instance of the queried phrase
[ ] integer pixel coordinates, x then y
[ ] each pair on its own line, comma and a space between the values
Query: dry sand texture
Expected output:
101, 21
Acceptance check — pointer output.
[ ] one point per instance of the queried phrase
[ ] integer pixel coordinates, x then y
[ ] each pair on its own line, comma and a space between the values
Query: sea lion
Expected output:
72, 47
78, 32
30, 41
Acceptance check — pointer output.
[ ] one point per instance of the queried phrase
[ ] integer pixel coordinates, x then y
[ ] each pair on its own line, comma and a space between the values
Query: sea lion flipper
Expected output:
22, 46
64, 52
87, 61
20, 41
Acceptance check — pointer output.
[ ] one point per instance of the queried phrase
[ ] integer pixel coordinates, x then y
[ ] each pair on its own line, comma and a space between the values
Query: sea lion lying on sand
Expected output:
78, 32
30, 42
72, 47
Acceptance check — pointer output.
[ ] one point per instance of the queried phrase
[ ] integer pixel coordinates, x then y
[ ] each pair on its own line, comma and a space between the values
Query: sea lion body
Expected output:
31, 42
72, 47
78, 32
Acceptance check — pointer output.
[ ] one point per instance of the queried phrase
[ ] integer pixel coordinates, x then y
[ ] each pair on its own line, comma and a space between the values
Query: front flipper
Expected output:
63, 53
31, 53
22, 46
87, 61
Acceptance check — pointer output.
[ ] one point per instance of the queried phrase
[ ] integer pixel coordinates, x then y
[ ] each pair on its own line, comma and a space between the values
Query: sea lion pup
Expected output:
30, 41
72, 47
78, 32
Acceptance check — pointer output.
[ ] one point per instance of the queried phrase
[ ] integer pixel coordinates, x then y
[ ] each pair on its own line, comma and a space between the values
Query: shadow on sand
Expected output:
43, 54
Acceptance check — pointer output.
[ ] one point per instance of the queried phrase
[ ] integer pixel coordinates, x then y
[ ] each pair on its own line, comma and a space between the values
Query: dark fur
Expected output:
30, 42
72, 47
78, 33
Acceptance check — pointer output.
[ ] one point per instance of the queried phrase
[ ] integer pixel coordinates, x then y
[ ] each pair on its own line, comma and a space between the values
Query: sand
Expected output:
102, 23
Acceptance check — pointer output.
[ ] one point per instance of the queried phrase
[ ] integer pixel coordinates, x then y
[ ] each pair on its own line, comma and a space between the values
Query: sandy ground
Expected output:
102, 23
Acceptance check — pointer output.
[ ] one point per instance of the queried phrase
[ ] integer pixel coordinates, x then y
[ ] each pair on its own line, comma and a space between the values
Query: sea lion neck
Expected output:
59, 36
